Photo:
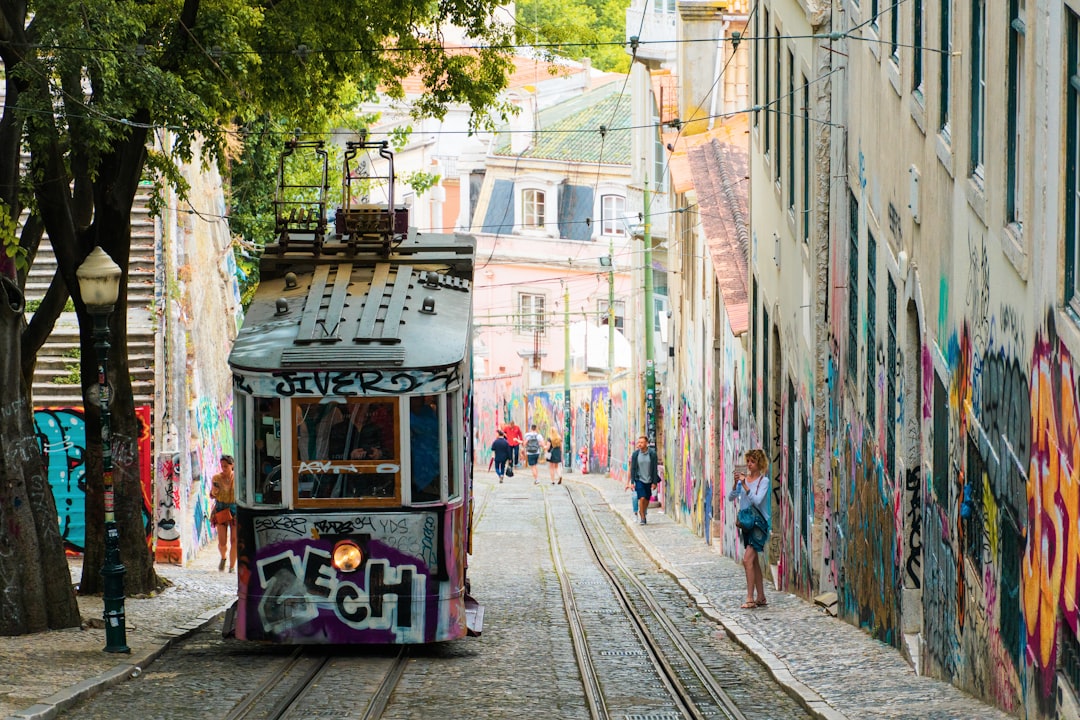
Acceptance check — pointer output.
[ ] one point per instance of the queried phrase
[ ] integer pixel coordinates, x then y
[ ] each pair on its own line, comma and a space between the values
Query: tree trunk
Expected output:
35, 583
114, 195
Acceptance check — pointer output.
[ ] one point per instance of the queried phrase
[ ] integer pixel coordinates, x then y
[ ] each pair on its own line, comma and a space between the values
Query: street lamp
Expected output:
99, 285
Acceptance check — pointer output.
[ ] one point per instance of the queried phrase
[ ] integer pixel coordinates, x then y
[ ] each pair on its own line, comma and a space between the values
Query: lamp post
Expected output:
99, 285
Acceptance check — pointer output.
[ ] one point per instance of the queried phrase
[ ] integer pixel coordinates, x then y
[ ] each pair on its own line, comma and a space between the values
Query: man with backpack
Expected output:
534, 443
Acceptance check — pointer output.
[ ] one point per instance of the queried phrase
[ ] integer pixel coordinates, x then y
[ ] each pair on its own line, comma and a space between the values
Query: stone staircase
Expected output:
56, 378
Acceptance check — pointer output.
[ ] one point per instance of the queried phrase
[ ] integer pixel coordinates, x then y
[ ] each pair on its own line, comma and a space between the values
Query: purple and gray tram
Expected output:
352, 417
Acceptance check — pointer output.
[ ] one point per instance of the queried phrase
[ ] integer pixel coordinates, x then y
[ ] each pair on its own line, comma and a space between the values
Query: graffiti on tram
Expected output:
301, 594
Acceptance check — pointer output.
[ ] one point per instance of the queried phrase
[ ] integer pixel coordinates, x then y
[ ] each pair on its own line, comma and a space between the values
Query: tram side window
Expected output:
266, 426
453, 446
424, 445
347, 450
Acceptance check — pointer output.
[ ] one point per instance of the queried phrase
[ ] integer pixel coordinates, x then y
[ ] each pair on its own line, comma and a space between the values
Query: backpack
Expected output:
532, 445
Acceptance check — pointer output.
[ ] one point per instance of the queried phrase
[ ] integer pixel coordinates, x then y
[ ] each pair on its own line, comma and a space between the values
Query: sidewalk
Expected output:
44, 673
834, 669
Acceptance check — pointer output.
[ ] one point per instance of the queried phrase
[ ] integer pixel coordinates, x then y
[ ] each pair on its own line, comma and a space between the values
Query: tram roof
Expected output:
411, 309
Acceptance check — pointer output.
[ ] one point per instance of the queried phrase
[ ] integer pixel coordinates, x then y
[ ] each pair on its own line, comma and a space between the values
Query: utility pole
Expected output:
566, 377
611, 308
610, 340
650, 329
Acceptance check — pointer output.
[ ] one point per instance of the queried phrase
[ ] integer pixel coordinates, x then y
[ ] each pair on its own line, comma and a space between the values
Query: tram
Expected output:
352, 421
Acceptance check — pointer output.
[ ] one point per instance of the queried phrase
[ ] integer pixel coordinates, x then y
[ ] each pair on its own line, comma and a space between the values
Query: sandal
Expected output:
762, 603
748, 605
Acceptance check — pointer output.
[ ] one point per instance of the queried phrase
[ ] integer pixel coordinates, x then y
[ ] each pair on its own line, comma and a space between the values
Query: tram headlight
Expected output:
347, 556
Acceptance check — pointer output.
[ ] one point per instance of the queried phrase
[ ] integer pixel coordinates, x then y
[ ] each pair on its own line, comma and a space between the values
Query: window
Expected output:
757, 64
1072, 161
978, 89
805, 160
871, 330
532, 210
894, 32
874, 10
778, 99
1015, 146
620, 313
347, 451
945, 101
767, 86
530, 317
612, 210
790, 104
917, 47
424, 449
267, 431
853, 288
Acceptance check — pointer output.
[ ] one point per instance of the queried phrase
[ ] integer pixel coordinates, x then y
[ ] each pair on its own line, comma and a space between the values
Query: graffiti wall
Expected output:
988, 515
61, 435
599, 427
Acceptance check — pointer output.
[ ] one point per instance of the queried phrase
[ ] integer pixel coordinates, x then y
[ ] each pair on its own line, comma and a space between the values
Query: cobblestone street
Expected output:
523, 663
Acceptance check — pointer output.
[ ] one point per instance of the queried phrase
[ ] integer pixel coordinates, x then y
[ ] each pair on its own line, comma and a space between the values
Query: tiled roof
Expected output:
719, 169
570, 130
527, 72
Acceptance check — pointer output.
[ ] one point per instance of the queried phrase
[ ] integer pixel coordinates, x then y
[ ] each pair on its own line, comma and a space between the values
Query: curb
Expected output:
780, 672
58, 702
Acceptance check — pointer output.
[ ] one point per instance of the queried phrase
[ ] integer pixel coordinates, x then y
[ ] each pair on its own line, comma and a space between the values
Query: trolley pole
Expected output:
567, 450
650, 329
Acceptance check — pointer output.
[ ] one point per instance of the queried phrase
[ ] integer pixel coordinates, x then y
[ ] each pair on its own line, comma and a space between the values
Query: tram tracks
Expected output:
285, 693
693, 690
277, 694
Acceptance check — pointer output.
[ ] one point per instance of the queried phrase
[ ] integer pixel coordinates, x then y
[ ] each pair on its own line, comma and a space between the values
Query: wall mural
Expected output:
61, 436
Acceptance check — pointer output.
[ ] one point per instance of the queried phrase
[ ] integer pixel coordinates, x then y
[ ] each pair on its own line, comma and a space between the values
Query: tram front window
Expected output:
347, 450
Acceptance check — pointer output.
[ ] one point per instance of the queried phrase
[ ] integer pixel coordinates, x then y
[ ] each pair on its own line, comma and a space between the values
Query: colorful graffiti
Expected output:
61, 436
1051, 563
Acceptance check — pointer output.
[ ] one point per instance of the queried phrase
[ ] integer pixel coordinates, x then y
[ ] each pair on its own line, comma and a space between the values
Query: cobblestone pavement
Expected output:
47, 672
834, 669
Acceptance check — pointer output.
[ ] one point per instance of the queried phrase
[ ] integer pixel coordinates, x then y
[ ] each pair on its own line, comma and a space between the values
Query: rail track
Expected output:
692, 689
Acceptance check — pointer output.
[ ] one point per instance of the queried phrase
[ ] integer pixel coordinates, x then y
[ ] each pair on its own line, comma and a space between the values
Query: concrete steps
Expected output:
56, 376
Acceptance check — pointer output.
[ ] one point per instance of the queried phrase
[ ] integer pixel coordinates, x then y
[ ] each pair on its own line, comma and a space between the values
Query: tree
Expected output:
91, 83
594, 28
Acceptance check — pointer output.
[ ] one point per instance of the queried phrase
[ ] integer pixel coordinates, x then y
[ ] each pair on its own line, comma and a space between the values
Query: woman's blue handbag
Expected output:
747, 518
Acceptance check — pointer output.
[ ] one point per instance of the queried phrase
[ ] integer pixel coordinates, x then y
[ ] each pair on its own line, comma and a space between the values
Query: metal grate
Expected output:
343, 356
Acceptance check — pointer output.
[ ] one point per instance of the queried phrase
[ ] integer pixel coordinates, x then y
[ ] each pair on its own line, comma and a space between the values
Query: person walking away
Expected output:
751, 491
223, 492
554, 456
534, 443
644, 473
500, 450
513, 436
